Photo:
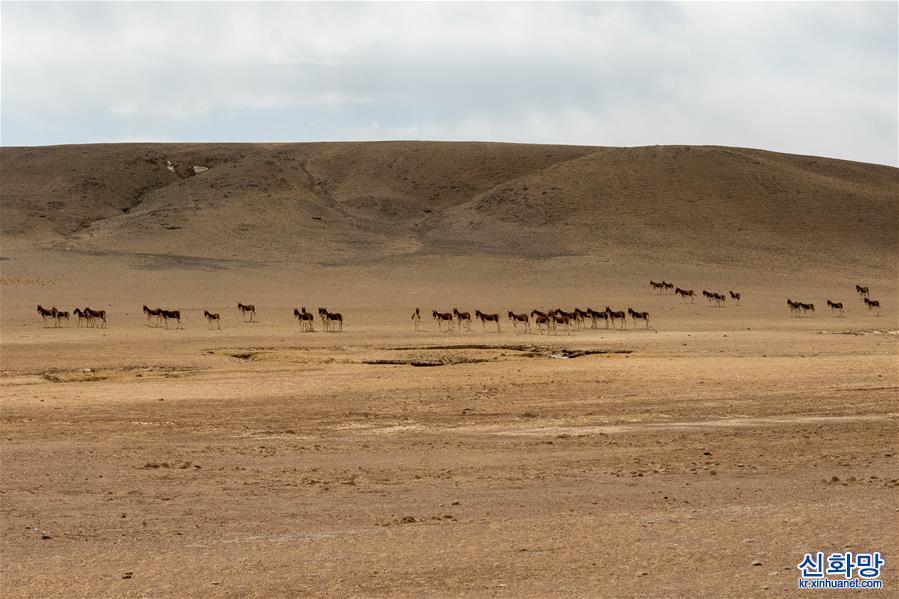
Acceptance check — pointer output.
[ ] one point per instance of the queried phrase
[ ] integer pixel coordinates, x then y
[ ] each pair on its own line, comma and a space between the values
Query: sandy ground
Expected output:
701, 457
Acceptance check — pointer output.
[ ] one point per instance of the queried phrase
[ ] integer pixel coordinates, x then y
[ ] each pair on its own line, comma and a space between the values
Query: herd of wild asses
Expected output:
549, 321
332, 322
688, 295
542, 321
86, 316
798, 309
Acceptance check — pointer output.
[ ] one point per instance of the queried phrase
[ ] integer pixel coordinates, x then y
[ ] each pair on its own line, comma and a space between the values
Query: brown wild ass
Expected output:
595, 314
332, 322
520, 318
835, 307
213, 319
873, 305
45, 313
571, 316
442, 317
94, 315
685, 293
247, 309
613, 316
541, 321
168, 315
79, 313
635, 316
462, 317
560, 319
485, 318
150, 313
305, 319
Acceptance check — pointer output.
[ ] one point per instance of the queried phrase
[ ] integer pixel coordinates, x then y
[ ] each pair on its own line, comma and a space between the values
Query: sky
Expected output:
809, 78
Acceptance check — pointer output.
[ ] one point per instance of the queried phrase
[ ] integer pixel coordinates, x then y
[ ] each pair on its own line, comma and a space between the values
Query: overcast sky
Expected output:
811, 78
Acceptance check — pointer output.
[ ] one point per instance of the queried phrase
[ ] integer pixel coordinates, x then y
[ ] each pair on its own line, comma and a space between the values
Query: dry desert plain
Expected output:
702, 456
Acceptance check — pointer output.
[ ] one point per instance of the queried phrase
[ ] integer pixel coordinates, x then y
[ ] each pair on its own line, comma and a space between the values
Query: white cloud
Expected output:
817, 78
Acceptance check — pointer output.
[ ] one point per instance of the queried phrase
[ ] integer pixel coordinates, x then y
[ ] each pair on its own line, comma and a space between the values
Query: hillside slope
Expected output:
336, 203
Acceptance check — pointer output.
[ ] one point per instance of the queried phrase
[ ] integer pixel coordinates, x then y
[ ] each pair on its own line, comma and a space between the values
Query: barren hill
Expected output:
351, 203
